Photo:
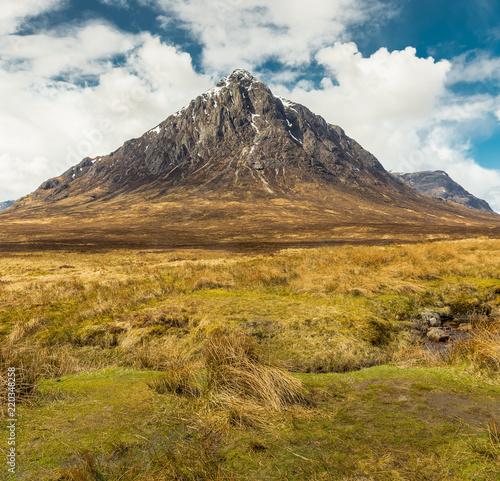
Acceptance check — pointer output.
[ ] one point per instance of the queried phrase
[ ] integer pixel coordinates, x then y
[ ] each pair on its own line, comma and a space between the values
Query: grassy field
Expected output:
302, 364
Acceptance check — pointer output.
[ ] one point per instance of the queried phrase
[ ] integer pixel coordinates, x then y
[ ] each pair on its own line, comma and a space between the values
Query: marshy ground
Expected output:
299, 364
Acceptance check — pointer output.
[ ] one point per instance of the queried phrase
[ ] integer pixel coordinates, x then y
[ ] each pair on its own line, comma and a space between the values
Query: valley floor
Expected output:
382, 423
302, 364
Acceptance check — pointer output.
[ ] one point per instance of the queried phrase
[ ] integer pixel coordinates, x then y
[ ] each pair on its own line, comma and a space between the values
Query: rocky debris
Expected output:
431, 318
436, 334
427, 319
439, 184
436, 326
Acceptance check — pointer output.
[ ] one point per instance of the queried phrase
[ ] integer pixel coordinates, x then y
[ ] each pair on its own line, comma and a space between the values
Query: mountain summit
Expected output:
440, 184
237, 165
236, 138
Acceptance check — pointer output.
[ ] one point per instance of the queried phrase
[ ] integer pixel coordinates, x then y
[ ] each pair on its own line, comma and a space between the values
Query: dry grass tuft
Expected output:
86, 467
22, 330
494, 433
490, 448
33, 365
347, 356
181, 377
236, 375
96, 335
482, 349
412, 355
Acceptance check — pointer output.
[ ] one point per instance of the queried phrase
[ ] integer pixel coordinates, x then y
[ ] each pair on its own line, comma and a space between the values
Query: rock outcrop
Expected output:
440, 184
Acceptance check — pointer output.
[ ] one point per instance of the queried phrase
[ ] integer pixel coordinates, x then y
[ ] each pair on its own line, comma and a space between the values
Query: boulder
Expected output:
435, 334
431, 318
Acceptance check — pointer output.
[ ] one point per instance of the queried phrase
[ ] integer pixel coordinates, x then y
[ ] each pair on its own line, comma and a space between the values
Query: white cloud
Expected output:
47, 125
237, 33
81, 51
14, 13
404, 84
466, 109
397, 106
475, 66
116, 3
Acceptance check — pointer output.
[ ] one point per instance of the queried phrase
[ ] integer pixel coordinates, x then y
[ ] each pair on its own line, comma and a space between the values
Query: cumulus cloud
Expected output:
48, 124
397, 106
14, 13
475, 66
237, 33
81, 51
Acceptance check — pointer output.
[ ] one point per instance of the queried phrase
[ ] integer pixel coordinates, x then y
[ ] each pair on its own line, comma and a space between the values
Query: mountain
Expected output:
6, 204
237, 137
440, 184
238, 166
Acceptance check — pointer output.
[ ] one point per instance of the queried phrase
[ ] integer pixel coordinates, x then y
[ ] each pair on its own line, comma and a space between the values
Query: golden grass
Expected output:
230, 376
482, 349
24, 329
236, 374
181, 372
494, 433
33, 364
319, 310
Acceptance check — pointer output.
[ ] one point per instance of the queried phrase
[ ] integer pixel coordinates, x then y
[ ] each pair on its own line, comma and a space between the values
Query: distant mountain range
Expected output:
6, 204
237, 166
440, 184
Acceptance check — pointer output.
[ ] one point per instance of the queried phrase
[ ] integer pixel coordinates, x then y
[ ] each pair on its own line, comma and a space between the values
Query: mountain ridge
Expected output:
439, 184
238, 117
236, 166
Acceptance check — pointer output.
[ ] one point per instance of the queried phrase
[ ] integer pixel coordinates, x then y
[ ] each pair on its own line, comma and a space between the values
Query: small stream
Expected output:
454, 336
451, 329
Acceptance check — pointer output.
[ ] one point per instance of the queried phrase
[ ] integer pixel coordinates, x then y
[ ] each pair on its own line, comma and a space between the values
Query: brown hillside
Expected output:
238, 167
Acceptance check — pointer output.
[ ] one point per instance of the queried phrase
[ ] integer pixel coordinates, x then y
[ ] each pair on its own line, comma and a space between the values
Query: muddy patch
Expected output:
463, 408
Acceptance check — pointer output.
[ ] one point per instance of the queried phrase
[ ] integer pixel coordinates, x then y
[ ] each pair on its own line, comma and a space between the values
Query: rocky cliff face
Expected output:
238, 139
440, 184
239, 168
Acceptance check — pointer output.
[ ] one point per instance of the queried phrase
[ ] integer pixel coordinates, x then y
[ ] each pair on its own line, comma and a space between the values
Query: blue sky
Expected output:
415, 82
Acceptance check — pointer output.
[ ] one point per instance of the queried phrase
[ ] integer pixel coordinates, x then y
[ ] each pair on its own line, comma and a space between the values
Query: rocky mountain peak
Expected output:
241, 90
240, 76
439, 184
236, 138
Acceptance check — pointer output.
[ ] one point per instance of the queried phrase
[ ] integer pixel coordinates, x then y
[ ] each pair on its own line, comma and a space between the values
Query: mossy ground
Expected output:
97, 328
382, 423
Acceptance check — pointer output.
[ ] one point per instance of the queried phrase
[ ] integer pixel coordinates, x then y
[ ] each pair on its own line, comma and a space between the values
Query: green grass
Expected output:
382, 423
100, 335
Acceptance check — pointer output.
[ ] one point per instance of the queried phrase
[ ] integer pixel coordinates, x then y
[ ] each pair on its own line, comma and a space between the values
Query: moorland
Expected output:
290, 364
